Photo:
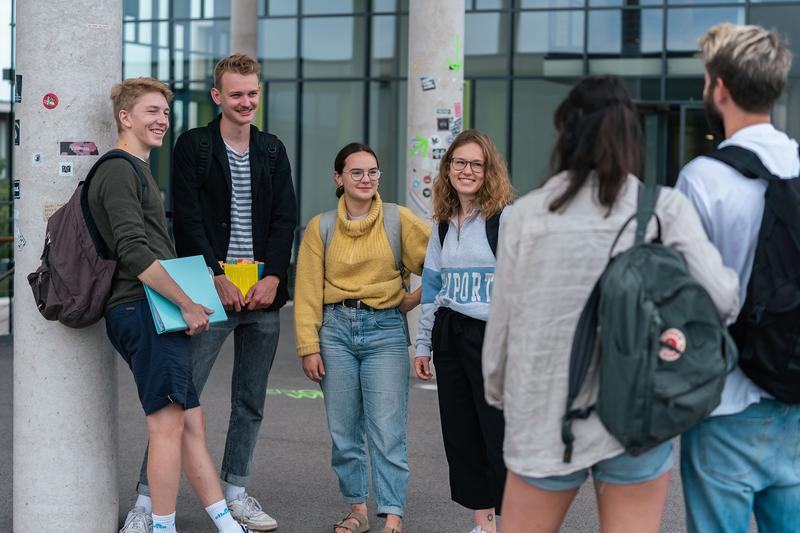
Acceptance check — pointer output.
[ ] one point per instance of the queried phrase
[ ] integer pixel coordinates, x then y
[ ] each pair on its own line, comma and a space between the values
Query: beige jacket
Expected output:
547, 264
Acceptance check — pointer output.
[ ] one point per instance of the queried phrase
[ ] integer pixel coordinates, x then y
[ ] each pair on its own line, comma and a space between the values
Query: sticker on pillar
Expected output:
48, 209
16, 132
450, 140
437, 153
426, 192
50, 101
36, 159
427, 180
455, 63
65, 169
435, 141
443, 111
428, 83
457, 109
419, 146
21, 242
18, 89
455, 127
416, 184
15, 188
442, 123
78, 148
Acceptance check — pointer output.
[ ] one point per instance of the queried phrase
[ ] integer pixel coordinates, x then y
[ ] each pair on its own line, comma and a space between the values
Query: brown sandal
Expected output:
361, 527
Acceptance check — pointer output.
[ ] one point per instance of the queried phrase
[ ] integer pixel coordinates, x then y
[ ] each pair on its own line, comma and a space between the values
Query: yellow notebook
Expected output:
243, 276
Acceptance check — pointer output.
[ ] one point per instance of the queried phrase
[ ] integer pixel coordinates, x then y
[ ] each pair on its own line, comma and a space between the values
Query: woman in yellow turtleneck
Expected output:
351, 335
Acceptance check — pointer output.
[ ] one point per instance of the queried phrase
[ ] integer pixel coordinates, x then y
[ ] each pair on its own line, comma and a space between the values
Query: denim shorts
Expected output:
624, 469
161, 364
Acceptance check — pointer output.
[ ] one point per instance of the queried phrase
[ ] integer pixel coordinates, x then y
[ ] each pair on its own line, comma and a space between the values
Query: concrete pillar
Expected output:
435, 92
69, 54
244, 27
435, 100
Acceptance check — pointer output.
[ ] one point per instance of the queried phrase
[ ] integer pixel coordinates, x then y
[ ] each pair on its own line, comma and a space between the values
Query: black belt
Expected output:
356, 304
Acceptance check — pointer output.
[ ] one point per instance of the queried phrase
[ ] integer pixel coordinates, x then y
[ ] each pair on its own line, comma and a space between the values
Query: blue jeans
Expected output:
747, 462
366, 394
255, 338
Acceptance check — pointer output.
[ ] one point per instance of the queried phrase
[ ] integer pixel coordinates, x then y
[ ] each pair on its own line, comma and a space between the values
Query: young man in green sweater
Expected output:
130, 217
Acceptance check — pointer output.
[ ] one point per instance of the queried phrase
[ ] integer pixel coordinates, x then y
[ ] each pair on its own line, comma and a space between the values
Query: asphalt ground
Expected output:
292, 477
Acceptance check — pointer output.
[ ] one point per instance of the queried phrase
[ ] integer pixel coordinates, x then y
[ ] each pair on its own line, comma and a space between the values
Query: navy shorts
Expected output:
161, 364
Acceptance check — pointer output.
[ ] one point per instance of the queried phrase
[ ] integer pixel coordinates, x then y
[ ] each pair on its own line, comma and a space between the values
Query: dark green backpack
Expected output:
663, 350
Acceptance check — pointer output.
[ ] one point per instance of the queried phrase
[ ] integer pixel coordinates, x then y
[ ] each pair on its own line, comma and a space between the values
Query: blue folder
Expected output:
192, 275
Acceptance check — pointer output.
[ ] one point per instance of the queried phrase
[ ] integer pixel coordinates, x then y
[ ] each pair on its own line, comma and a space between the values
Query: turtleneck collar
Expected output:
356, 228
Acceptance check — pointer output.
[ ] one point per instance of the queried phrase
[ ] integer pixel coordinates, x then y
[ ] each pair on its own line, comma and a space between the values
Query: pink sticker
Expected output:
673, 344
457, 108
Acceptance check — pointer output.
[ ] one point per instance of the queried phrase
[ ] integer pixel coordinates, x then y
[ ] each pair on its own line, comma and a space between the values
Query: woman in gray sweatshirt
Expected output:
469, 196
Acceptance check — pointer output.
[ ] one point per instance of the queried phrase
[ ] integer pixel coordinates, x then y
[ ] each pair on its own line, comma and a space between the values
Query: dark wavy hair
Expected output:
344, 153
598, 130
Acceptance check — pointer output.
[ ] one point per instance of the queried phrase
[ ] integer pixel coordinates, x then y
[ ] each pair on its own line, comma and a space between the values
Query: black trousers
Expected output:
472, 429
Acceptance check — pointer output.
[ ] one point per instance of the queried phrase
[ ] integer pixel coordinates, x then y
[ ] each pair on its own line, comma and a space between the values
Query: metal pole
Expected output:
69, 54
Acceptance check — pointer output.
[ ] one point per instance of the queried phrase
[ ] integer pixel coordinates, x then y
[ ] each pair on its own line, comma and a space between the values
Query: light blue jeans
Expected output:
734, 465
366, 394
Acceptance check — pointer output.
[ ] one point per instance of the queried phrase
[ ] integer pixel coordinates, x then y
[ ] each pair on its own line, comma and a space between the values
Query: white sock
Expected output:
164, 524
222, 518
144, 502
233, 491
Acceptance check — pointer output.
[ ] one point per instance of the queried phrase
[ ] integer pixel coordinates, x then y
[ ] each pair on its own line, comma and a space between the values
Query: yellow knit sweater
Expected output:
358, 265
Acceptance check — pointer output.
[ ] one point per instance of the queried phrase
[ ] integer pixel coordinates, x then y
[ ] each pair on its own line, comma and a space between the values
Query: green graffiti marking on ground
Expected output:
297, 394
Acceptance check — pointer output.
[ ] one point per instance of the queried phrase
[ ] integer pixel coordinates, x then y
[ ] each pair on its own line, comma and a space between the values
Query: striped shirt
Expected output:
240, 245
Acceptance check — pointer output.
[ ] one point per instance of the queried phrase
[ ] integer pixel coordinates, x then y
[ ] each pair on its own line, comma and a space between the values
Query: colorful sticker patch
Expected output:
50, 101
673, 344
77, 148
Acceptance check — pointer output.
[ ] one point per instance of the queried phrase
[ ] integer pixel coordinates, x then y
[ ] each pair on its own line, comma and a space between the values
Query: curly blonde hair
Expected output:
493, 196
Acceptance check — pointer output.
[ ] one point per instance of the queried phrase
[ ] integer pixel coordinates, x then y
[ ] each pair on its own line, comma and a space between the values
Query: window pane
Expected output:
551, 3
534, 136
384, 114
198, 46
549, 43
333, 115
333, 47
633, 34
685, 26
146, 49
329, 7
782, 19
281, 117
786, 114
384, 42
282, 7
384, 6
492, 4
277, 47
486, 44
491, 111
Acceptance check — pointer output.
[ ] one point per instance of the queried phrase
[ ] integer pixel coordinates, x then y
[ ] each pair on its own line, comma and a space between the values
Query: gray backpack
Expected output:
73, 282
663, 350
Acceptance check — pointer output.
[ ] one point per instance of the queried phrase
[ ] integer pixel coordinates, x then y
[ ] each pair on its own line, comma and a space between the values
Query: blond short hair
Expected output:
238, 63
125, 94
752, 62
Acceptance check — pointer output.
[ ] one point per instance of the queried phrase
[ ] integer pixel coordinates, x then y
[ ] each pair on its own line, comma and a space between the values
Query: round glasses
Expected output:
357, 174
459, 164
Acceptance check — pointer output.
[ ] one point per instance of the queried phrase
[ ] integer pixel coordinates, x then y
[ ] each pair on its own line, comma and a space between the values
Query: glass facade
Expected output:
334, 71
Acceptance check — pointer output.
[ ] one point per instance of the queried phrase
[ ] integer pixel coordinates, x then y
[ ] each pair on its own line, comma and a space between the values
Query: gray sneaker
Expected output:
137, 521
247, 511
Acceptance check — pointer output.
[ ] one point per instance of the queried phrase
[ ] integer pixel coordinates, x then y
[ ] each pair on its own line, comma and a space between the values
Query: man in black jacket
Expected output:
233, 198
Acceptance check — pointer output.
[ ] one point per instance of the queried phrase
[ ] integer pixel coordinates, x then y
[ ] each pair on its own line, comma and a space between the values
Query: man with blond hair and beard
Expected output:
745, 457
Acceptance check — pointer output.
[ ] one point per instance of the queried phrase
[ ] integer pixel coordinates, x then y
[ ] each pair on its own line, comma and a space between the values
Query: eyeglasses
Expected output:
357, 174
459, 164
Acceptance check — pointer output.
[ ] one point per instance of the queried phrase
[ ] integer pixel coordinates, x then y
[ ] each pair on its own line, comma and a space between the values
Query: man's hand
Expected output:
262, 294
196, 317
229, 294
410, 300
422, 367
313, 367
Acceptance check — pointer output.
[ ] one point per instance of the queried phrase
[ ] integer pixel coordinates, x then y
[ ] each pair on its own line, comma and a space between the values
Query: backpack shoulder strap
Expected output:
646, 208
394, 232
327, 225
444, 225
743, 161
583, 347
118, 154
492, 231
270, 143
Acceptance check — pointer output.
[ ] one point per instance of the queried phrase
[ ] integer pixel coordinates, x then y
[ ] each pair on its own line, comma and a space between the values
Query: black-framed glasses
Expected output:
459, 164
357, 174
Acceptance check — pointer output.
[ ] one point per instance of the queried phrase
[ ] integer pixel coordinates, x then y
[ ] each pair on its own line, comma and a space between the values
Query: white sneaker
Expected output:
137, 521
247, 511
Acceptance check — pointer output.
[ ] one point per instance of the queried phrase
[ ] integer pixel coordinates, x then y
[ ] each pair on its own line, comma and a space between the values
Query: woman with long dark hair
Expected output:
556, 245
349, 300
470, 194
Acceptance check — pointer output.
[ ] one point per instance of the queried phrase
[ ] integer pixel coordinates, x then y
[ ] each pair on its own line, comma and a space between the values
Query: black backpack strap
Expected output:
646, 208
743, 161
270, 144
583, 346
444, 225
492, 231
204, 150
